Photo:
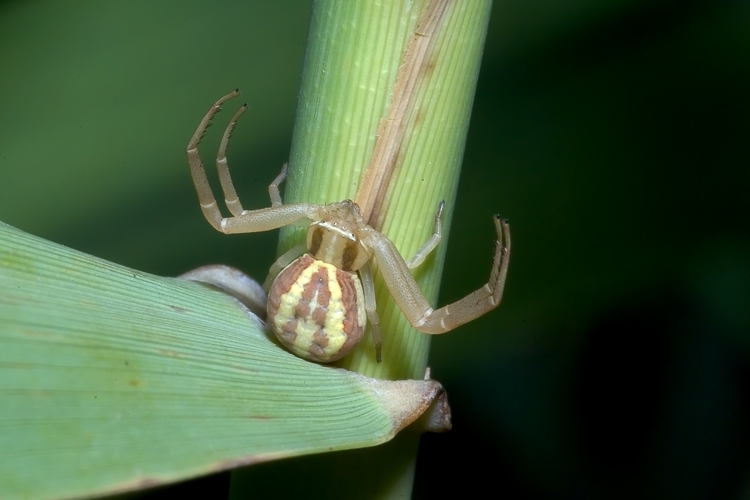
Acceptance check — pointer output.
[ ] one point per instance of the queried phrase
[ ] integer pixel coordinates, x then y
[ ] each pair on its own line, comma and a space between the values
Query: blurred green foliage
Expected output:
613, 135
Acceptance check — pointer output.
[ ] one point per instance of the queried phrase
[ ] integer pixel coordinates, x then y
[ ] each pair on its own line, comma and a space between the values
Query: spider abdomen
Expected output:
317, 310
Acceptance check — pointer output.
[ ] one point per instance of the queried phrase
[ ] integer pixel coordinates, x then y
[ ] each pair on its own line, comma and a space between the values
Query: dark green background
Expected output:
615, 136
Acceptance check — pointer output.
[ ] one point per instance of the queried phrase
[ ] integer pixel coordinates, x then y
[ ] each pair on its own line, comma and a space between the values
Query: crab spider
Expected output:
321, 294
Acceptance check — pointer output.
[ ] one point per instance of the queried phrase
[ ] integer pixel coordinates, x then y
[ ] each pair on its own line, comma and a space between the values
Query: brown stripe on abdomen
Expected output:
353, 324
318, 290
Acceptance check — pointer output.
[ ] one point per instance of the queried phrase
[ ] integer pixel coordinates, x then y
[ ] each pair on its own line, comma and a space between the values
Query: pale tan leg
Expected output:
230, 195
412, 301
368, 286
234, 282
430, 244
198, 171
273, 189
286, 258
247, 221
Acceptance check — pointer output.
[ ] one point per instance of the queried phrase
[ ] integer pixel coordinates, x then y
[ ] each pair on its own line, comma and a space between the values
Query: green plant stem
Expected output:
354, 52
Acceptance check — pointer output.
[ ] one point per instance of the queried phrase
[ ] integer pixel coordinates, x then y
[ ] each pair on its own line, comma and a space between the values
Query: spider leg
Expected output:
244, 221
430, 244
368, 285
198, 171
286, 258
412, 301
234, 282
273, 189
230, 195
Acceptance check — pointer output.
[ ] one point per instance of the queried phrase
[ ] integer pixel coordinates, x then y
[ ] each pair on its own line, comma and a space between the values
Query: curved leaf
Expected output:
112, 379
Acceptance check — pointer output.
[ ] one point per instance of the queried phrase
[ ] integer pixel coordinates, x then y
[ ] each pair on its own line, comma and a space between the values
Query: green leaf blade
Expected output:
112, 379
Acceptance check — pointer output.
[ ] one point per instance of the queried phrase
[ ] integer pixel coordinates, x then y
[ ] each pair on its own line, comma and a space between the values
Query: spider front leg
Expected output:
244, 221
222, 166
411, 300
198, 171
